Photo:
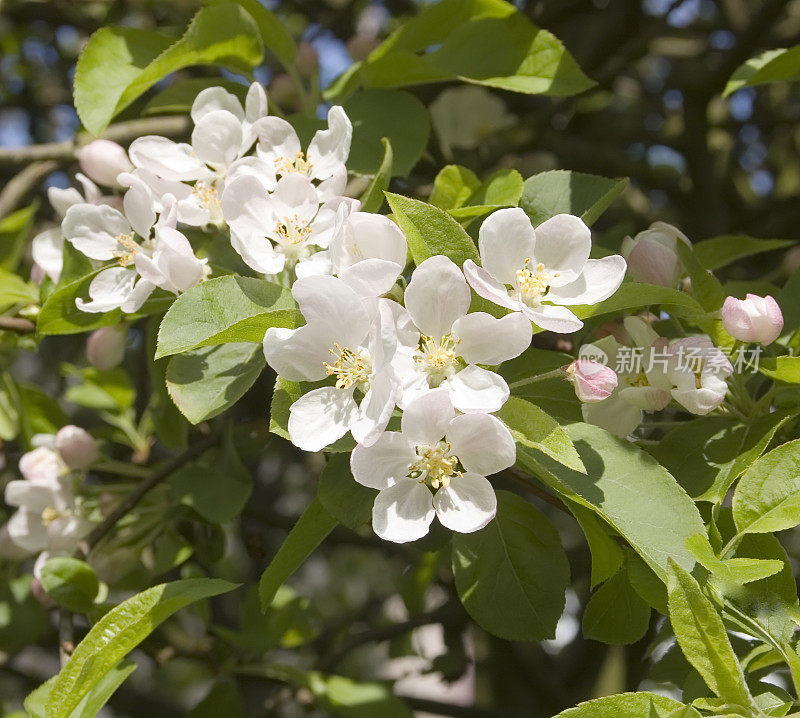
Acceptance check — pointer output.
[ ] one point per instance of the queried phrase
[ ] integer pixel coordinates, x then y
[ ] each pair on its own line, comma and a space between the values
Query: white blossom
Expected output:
436, 464
699, 371
541, 272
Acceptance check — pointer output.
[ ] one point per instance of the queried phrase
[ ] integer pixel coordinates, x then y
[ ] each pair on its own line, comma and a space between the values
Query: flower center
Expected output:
350, 368
293, 234
639, 379
533, 284
127, 249
50, 514
298, 163
208, 197
435, 465
437, 357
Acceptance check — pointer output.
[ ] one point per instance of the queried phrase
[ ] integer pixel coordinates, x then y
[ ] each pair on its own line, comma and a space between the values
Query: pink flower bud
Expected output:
652, 255
753, 319
77, 447
105, 348
103, 160
592, 381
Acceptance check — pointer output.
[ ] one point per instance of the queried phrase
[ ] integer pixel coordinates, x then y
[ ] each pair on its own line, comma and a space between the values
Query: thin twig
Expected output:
17, 324
130, 502
19, 186
66, 636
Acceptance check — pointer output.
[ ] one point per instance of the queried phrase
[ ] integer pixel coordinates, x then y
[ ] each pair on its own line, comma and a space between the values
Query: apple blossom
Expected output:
699, 371
77, 447
592, 380
445, 344
752, 319
418, 470
105, 348
652, 255
282, 228
539, 272
279, 147
103, 161
347, 338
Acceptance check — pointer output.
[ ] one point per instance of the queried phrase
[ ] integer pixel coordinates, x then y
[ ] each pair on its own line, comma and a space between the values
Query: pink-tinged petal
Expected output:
482, 443
103, 160
403, 512
753, 319
553, 318
563, 244
385, 462
506, 241
42, 466
321, 417
592, 380
77, 447
467, 504
485, 339
598, 281
474, 390
425, 420
487, 287
653, 263
436, 296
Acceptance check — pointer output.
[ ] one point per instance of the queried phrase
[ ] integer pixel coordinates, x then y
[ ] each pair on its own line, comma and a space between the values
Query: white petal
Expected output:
92, 229
403, 512
599, 280
263, 171
175, 260
137, 297
257, 252
255, 104
437, 295
563, 243
276, 139
34, 497
372, 277
138, 204
215, 98
487, 340
330, 148
385, 462
296, 192
317, 263
26, 530
467, 505
47, 250
43, 465
108, 290
363, 235
648, 398
217, 138
246, 206
330, 301
299, 354
334, 185
375, 410
475, 390
614, 414
506, 240
62, 199
321, 417
553, 318
482, 443
425, 420
327, 220
487, 287
167, 159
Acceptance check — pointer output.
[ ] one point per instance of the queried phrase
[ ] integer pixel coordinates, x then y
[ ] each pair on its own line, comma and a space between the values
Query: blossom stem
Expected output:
539, 377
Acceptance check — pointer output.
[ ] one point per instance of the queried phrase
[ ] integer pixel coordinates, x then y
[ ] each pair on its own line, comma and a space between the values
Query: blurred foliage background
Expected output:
709, 165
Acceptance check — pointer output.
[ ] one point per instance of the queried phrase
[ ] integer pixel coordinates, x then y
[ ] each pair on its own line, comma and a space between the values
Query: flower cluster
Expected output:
50, 518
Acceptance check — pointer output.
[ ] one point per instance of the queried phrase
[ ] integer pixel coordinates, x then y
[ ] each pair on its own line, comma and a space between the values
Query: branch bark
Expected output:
23, 183
17, 324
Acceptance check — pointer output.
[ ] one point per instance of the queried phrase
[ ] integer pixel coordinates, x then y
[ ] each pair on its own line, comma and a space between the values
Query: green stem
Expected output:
539, 377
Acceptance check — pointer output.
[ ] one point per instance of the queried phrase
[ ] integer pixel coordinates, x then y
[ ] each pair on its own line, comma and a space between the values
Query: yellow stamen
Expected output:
350, 368
435, 464
298, 163
50, 514
293, 231
128, 250
437, 356
208, 196
533, 284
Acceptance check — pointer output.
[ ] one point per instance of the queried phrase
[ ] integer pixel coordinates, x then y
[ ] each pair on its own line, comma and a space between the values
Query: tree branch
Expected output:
22, 183
17, 324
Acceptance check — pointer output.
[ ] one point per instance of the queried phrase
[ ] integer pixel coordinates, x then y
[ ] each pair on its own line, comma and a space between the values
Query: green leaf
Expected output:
771, 66
453, 187
706, 288
767, 498
119, 632
485, 42
430, 231
396, 115
71, 583
627, 705
110, 390
720, 251
180, 95
14, 231
709, 453
170, 425
342, 496
224, 698
534, 428
511, 575
15, 290
564, 192
310, 530
738, 570
9, 408
783, 368
217, 485
373, 198
225, 309
118, 64
616, 613
91, 703
703, 640
502, 189
274, 33
629, 490
607, 554
205, 382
